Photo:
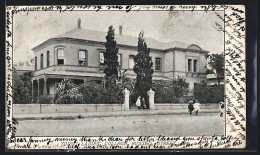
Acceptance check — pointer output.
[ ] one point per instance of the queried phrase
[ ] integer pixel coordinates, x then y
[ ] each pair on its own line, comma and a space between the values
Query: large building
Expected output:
78, 54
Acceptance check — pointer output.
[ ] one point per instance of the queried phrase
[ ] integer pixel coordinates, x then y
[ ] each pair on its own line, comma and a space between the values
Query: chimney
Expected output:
120, 29
79, 23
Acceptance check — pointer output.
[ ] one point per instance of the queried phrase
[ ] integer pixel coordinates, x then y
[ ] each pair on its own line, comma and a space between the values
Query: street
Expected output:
151, 125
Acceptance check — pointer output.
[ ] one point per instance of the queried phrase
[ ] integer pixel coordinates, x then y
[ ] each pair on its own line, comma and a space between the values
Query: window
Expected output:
60, 52
131, 62
83, 58
101, 59
41, 61
48, 58
195, 85
119, 59
35, 63
195, 63
157, 64
189, 65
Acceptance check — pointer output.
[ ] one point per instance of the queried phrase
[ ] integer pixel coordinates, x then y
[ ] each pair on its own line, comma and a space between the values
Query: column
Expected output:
45, 86
32, 91
38, 81
151, 99
126, 102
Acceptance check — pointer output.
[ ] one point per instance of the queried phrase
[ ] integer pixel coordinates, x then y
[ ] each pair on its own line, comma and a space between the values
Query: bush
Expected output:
45, 99
96, 93
170, 91
209, 94
92, 92
114, 93
67, 93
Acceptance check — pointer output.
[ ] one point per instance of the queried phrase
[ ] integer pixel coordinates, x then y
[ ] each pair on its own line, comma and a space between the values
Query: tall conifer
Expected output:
143, 69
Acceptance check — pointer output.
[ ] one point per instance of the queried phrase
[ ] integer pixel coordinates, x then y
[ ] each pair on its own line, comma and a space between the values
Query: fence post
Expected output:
151, 98
126, 102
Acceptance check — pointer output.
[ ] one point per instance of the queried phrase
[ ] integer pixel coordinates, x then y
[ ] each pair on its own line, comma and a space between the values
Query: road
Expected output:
152, 125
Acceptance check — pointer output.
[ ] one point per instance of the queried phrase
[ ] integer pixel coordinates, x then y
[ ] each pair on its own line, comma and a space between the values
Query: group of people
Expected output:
195, 106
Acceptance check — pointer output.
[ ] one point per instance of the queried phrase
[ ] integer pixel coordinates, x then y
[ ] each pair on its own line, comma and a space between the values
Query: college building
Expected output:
78, 54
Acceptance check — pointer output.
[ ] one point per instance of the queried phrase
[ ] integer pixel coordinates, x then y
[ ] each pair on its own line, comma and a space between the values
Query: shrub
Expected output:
209, 94
67, 93
92, 92
114, 93
170, 91
45, 99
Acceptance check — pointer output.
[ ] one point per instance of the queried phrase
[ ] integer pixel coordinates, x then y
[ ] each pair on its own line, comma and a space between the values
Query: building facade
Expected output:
78, 54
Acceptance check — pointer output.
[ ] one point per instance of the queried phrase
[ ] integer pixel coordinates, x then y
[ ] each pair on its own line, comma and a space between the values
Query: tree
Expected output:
180, 88
216, 64
111, 58
143, 69
22, 87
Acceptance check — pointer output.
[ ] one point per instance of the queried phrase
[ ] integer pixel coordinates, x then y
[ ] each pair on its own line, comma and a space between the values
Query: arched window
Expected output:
60, 57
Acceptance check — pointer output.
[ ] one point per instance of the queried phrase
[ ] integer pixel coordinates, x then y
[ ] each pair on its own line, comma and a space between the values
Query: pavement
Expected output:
131, 112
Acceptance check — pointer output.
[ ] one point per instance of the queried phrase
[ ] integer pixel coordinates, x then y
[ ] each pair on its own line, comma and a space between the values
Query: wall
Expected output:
64, 108
168, 64
180, 106
19, 109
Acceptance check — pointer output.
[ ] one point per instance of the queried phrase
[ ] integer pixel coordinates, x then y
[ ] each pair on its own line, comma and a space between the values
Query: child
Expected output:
190, 107
196, 106
221, 108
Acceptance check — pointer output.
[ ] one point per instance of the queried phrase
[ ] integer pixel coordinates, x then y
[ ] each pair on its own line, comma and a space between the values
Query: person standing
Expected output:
138, 102
190, 106
196, 106
221, 108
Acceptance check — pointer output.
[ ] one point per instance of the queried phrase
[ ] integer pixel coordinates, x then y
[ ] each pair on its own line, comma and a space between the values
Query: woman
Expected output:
138, 102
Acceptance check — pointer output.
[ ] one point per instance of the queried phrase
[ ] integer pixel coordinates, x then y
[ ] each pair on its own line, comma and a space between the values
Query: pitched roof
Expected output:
100, 36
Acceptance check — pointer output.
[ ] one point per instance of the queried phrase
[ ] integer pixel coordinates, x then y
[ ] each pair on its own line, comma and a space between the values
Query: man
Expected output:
221, 108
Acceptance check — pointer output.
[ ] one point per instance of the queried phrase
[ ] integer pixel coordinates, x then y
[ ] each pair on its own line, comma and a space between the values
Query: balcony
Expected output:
85, 71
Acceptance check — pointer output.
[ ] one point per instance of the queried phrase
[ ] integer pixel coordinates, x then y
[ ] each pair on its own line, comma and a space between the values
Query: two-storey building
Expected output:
78, 54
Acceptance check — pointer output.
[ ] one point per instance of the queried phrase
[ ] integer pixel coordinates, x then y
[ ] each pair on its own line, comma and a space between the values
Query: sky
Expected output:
189, 27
